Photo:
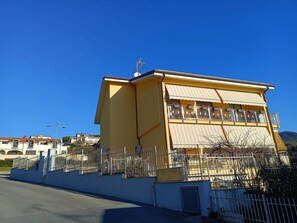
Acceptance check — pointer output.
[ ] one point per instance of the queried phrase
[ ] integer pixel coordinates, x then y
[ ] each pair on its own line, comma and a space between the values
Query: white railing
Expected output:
274, 119
201, 113
230, 206
25, 162
230, 171
131, 164
223, 171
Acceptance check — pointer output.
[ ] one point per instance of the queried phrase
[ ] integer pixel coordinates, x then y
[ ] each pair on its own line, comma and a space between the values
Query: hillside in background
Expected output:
288, 136
290, 139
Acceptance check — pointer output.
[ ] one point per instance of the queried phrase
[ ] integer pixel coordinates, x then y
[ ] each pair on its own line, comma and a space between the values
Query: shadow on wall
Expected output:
121, 110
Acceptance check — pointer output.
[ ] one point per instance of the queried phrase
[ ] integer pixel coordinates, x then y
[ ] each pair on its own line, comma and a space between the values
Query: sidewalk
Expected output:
199, 219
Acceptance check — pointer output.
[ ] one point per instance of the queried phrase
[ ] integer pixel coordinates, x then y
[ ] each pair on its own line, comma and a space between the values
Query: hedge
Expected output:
6, 163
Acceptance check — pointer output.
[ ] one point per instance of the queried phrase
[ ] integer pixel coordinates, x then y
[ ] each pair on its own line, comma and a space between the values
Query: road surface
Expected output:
30, 203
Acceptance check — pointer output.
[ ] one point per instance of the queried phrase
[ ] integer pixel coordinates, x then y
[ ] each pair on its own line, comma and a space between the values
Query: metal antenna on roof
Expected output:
139, 65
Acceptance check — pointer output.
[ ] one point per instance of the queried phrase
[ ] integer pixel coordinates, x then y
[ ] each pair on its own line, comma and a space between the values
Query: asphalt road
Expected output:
30, 203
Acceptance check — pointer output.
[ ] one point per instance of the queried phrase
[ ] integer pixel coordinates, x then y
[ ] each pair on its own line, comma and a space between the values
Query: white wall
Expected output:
143, 190
138, 190
165, 192
23, 147
32, 175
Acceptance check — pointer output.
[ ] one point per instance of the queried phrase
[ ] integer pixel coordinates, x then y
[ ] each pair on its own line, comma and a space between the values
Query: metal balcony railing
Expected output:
199, 113
274, 119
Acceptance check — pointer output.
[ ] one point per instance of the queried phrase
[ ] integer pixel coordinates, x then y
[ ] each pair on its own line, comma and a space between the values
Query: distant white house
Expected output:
85, 139
30, 146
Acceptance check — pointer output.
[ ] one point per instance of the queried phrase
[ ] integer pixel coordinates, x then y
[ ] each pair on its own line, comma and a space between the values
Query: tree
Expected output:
244, 143
67, 139
292, 151
278, 181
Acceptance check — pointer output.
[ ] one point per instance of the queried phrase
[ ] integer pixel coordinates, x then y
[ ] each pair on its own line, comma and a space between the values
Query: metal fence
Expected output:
132, 164
223, 171
234, 207
26, 163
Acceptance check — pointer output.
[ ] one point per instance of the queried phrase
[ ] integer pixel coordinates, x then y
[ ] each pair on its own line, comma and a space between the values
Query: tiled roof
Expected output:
25, 139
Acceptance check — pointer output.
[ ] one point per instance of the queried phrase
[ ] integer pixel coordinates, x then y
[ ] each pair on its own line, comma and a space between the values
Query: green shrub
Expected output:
6, 163
279, 181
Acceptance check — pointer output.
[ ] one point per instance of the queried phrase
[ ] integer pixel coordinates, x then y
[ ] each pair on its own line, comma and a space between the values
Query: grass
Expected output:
5, 169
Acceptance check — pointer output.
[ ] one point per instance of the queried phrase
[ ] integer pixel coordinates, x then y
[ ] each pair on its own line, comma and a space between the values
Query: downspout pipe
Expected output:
163, 110
136, 110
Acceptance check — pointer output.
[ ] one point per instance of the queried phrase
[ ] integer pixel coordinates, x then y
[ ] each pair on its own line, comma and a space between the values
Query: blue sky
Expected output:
53, 54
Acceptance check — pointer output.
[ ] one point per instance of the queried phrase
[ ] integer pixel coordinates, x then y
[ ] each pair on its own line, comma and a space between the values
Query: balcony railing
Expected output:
274, 119
200, 113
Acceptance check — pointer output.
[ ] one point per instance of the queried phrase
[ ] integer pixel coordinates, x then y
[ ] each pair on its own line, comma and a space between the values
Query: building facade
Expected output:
174, 110
32, 145
84, 139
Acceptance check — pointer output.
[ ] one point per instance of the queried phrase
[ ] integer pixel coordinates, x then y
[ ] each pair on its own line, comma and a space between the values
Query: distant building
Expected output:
29, 146
84, 139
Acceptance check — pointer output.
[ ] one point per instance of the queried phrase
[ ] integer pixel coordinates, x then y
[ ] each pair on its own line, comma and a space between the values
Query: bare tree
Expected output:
242, 143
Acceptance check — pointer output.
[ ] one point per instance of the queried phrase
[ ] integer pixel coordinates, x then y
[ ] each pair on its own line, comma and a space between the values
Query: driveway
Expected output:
22, 202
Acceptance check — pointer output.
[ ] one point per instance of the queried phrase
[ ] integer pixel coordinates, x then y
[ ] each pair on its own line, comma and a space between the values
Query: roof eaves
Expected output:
213, 78
116, 79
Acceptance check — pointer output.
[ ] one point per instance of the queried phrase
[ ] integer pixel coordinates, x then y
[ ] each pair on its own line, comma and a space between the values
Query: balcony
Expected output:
274, 119
209, 114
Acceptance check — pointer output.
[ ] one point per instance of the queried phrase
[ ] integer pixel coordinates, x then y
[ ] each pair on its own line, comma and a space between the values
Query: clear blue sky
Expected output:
53, 54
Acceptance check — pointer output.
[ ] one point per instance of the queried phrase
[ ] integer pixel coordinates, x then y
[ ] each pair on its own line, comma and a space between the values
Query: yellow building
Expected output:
175, 110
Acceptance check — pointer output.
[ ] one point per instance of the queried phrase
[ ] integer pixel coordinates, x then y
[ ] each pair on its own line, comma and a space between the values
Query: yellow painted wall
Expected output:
122, 117
149, 105
155, 137
150, 115
250, 107
105, 122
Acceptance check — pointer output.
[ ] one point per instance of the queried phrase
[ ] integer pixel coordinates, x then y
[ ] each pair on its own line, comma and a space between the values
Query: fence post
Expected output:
255, 170
265, 208
18, 162
200, 162
254, 161
207, 166
65, 167
156, 160
82, 161
27, 163
125, 163
101, 159
111, 165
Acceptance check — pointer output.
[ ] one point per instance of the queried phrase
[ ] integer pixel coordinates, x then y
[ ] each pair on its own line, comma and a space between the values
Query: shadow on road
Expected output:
143, 214
124, 212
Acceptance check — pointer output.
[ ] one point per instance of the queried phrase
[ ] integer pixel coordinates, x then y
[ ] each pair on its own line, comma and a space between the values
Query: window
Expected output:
15, 143
31, 152
43, 143
31, 143
174, 102
54, 144
4, 142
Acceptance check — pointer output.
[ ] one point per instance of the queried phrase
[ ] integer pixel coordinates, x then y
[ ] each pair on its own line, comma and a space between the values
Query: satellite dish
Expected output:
136, 74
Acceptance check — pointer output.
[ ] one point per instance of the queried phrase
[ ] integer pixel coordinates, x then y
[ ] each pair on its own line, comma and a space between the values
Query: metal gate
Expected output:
190, 200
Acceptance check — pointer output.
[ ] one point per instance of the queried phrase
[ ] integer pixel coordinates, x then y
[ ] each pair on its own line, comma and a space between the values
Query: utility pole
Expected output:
57, 126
